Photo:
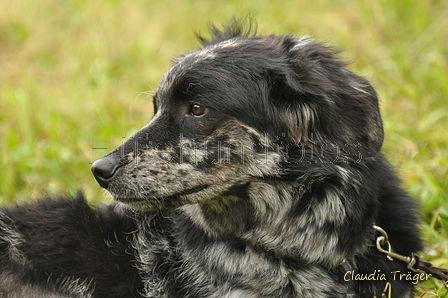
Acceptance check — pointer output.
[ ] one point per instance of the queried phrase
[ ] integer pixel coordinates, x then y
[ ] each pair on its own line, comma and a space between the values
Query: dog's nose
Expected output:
105, 168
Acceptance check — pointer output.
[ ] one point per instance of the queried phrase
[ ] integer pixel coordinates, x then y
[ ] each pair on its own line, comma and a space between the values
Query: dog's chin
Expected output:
142, 204
187, 196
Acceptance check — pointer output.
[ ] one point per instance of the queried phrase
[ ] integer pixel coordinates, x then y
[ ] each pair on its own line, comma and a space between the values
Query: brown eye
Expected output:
197, 110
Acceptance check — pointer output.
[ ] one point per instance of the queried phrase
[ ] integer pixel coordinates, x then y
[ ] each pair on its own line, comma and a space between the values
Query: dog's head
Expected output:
240, 109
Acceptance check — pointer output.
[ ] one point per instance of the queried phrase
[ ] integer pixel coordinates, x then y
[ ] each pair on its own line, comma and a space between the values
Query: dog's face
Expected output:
239, 110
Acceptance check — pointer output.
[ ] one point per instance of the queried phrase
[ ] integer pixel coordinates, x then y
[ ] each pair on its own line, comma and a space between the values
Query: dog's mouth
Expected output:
153, 202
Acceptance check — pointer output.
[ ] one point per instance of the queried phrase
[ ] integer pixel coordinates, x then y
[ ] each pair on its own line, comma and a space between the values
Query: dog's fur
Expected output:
259, 174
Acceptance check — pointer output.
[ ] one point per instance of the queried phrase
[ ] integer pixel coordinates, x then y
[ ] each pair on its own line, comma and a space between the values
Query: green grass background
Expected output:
77, 75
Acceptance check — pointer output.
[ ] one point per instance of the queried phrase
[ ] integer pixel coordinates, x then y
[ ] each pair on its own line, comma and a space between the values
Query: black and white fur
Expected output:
259, 174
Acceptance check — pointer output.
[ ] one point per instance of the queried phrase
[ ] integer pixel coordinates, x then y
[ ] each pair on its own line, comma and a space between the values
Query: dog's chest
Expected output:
198, 266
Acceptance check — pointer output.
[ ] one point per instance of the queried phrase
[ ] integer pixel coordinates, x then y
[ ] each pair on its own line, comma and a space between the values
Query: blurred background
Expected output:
76, 79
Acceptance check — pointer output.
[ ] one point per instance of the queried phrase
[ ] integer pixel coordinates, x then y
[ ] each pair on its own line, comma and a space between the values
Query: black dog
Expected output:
260, 175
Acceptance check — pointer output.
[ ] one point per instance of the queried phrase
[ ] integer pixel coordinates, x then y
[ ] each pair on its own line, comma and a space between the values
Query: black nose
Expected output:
105, 168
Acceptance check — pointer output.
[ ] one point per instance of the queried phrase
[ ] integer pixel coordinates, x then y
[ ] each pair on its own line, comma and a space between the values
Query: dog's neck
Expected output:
263, 218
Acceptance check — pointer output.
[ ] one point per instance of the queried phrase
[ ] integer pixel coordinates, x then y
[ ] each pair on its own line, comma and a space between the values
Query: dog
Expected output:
260, 175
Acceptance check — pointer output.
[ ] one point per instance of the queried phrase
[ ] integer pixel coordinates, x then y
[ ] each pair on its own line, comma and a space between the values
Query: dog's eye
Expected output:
197, 110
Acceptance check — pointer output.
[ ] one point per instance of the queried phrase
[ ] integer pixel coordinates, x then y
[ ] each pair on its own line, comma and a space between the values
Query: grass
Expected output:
77, 75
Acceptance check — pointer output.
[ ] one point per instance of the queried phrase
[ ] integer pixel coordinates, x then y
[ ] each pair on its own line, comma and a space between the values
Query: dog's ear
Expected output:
326, 104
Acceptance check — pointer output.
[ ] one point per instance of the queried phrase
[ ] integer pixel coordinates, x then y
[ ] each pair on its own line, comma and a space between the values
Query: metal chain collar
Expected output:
413, 262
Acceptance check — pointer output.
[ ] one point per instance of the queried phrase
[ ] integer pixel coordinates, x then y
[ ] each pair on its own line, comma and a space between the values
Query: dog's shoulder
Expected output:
49, 220
64, 243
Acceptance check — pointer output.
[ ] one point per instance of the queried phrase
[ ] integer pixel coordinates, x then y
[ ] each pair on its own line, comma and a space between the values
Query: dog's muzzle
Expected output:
105, 168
